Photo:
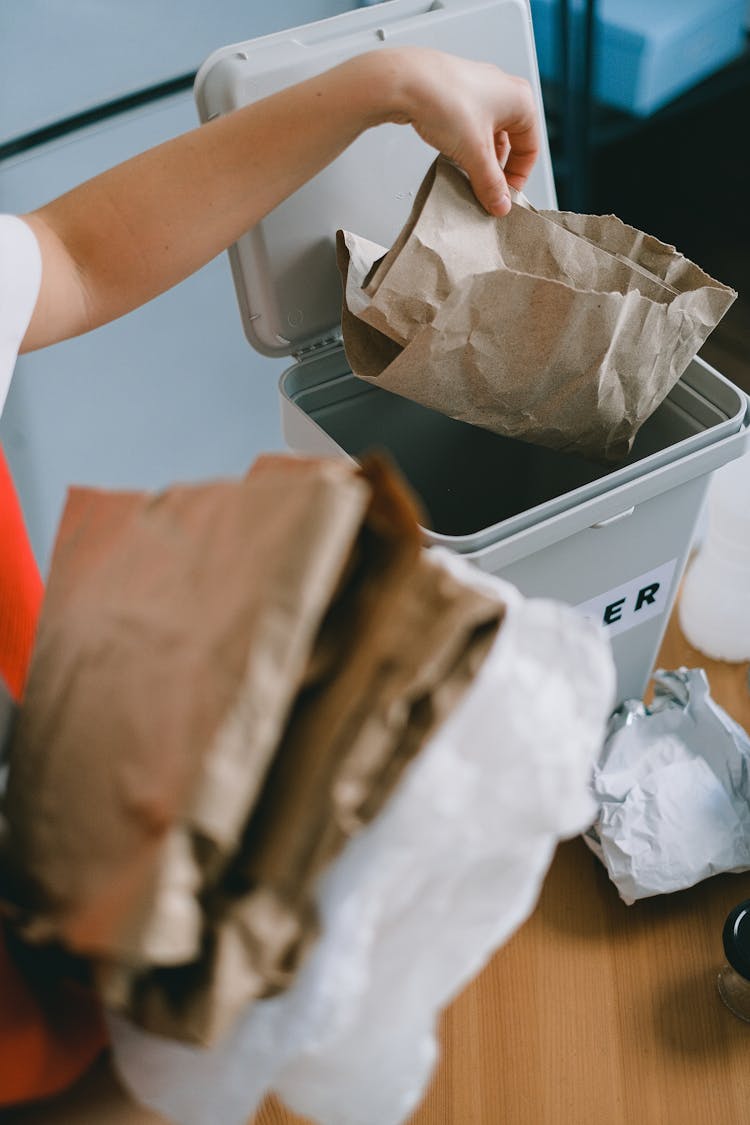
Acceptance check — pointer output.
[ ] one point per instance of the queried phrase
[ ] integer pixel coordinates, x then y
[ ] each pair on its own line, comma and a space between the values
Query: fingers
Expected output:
521, 126
524, 149
489, 183
502, 147
510, 154
476, 114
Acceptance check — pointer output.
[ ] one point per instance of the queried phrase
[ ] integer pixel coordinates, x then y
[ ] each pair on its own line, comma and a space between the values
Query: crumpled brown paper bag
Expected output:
227, 682
408, 653
561, 329
174, 633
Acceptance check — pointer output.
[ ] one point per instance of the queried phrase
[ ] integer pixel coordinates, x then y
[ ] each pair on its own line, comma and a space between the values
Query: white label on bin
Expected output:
638, 600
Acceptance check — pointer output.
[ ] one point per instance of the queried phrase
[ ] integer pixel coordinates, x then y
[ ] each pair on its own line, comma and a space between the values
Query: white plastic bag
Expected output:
418, 902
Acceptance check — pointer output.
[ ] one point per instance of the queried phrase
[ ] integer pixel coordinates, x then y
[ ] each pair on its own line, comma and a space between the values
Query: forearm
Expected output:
127, 235
134, 231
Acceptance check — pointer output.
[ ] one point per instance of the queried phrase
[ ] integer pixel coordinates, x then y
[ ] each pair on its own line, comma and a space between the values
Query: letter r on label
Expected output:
646, 596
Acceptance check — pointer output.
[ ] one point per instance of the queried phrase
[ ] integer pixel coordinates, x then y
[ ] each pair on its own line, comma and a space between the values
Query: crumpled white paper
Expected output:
417, 902
673, 785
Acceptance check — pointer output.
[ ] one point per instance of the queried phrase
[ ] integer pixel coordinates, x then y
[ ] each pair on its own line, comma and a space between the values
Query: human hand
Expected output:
477, 115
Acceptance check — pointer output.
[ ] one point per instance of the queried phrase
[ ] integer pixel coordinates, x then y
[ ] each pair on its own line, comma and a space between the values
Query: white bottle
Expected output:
714, 607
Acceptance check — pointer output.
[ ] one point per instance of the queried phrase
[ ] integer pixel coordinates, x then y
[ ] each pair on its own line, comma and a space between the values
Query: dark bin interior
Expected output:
469, 479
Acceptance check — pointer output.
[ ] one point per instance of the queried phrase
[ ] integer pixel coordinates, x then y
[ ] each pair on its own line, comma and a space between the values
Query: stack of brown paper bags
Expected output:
228, 681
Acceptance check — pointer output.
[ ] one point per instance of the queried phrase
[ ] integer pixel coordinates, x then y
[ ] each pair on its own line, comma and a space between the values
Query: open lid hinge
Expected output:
315, 349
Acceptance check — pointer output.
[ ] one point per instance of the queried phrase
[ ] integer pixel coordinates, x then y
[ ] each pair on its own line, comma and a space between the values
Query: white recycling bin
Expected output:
611, 540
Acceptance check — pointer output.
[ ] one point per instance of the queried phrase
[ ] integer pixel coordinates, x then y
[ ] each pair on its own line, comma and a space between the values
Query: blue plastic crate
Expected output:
646, 51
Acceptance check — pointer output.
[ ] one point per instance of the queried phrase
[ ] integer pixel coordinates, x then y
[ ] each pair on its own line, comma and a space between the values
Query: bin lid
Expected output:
284, 269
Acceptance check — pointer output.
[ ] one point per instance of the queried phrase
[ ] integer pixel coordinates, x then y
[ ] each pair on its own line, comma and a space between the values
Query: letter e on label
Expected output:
638, 600
613, 612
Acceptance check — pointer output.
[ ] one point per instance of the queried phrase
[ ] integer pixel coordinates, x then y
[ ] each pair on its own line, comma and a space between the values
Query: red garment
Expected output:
20, 588
49, 1035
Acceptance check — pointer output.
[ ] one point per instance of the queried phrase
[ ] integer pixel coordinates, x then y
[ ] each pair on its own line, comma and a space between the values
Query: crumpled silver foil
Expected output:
673, 788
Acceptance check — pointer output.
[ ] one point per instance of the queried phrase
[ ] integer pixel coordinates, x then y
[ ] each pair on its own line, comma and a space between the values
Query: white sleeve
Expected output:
20, 279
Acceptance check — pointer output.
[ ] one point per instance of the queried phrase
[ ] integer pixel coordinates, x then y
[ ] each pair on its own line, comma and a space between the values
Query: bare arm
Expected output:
127, 235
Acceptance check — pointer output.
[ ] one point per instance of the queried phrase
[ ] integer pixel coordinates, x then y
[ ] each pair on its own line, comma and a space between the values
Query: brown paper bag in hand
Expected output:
399, 646
228, 680
561, 329
175, 632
